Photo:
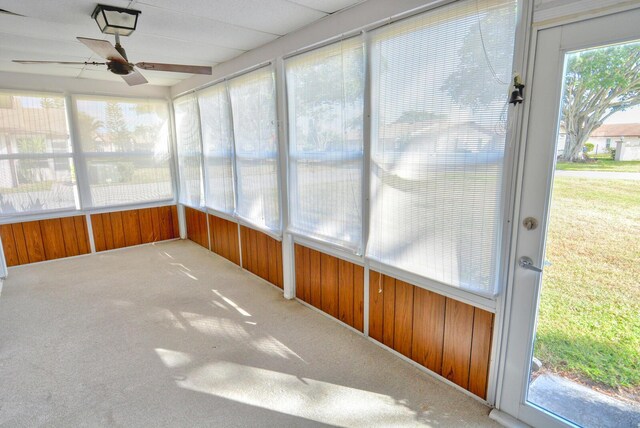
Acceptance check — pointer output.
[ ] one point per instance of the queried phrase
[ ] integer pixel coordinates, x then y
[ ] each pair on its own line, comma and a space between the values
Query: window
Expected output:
253, 102
325, 90
36, 164
125, 150
189, 150
217, 141
440, 83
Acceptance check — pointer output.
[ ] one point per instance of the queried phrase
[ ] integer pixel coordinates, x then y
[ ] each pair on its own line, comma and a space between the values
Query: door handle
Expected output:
526, 263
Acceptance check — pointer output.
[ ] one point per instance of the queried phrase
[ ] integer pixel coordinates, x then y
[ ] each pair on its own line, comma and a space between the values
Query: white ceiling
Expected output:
199, 32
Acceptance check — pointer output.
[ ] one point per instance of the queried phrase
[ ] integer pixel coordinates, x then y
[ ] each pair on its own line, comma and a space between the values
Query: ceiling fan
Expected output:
121, 21
118, 63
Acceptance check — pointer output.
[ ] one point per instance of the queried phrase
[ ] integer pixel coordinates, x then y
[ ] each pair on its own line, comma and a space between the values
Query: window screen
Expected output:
253, 102
325, 90
217, 141
36, 165
189, 150
440, 83
125, 149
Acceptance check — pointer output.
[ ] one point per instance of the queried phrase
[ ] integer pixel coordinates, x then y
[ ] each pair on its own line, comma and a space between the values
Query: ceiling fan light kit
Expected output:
121, 22
115, 20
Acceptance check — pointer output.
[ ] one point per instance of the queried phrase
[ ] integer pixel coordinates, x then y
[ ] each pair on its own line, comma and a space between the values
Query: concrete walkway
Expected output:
603, 175
582, 405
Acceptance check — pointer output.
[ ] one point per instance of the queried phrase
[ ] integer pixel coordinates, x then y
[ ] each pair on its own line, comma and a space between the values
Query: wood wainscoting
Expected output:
262, 255
446, 336
333, 285
197, 229
36, 241
224, 238
134, 227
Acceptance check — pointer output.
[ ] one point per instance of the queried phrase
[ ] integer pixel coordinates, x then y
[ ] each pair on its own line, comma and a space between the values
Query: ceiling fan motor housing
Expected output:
121, 68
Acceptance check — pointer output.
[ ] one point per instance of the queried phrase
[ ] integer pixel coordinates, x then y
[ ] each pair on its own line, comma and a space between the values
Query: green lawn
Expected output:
600, 164
589, 319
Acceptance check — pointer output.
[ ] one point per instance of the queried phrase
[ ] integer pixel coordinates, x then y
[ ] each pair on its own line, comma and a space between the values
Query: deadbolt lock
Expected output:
530, 223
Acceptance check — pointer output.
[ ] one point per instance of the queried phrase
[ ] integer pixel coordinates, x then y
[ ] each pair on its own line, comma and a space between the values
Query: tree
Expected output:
598, 83
116, 126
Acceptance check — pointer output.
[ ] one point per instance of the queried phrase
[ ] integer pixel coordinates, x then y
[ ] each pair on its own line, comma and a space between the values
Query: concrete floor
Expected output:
173, 335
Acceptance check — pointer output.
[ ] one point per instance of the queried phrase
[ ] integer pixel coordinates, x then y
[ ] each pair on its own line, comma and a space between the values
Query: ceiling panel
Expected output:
328, 6
271, 16
198, 32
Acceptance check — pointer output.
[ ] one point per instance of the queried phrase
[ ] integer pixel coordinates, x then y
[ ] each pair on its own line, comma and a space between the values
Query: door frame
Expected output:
522, 288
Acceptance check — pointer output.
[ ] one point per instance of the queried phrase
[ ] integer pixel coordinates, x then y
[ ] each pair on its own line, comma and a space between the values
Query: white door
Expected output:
553, 47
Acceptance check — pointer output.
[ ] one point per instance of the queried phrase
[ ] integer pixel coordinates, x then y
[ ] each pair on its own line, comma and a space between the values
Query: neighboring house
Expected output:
623, 137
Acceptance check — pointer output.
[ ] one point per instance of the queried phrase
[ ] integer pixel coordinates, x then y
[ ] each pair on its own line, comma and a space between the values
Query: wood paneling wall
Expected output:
261, 255
446, 336
333, 285
133, 227
224, 238
36, 241
197, 226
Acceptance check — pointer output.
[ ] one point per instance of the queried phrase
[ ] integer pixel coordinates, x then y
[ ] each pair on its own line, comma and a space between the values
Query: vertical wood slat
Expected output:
428, 329
33, 241
458, 332
272, 261
298, 255
52, 238
358, 297
330, 284
234, 250
82, 232
175, 226
145, 220
117, 229
243, 246
388, 309
21, 245
306, 278
108, 231
480, 352
345, 291
131, 228
155, 219
262, 255
253, 246
70, 236
9, 245
280, 269
403, 318
99, 239
376, 306
315, 290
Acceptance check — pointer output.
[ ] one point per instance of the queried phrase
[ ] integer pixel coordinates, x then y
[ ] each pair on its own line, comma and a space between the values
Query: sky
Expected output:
629, 116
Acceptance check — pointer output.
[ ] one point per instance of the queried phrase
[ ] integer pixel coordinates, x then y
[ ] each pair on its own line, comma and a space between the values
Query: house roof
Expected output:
617, 130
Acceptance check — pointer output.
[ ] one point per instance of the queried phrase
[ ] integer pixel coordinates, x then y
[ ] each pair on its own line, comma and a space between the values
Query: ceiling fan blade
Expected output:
179, 68
134, 78
21, 61
103, 48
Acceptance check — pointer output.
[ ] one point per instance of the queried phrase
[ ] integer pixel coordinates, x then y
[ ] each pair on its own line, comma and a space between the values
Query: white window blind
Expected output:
253, 102
325, 89
440, 84
217, 141
36, 164
189, 147
125, 149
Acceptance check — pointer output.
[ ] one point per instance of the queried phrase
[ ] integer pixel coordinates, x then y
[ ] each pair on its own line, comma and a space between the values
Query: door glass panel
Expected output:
586, 357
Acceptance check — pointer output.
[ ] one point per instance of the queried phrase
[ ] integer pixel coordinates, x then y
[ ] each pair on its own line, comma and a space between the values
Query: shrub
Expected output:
589, 147
613, 154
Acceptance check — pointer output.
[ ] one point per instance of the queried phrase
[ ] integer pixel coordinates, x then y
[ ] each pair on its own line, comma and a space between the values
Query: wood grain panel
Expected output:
146, 225
82, 234
358, 297
175, 225
428, 329
196, 226
403, 318
345, 291
33, 241
52, 238
298, 256
224, 239
155, 218
117, 229
131, 227
272, 261
458, 332
234, 243
480, 352
243, 246
329, 294
306, 279
9, 245
108, 231
376, 305
70, 236
314, 279
21, 245
253, 246
388, 308
166, 223
262, 256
